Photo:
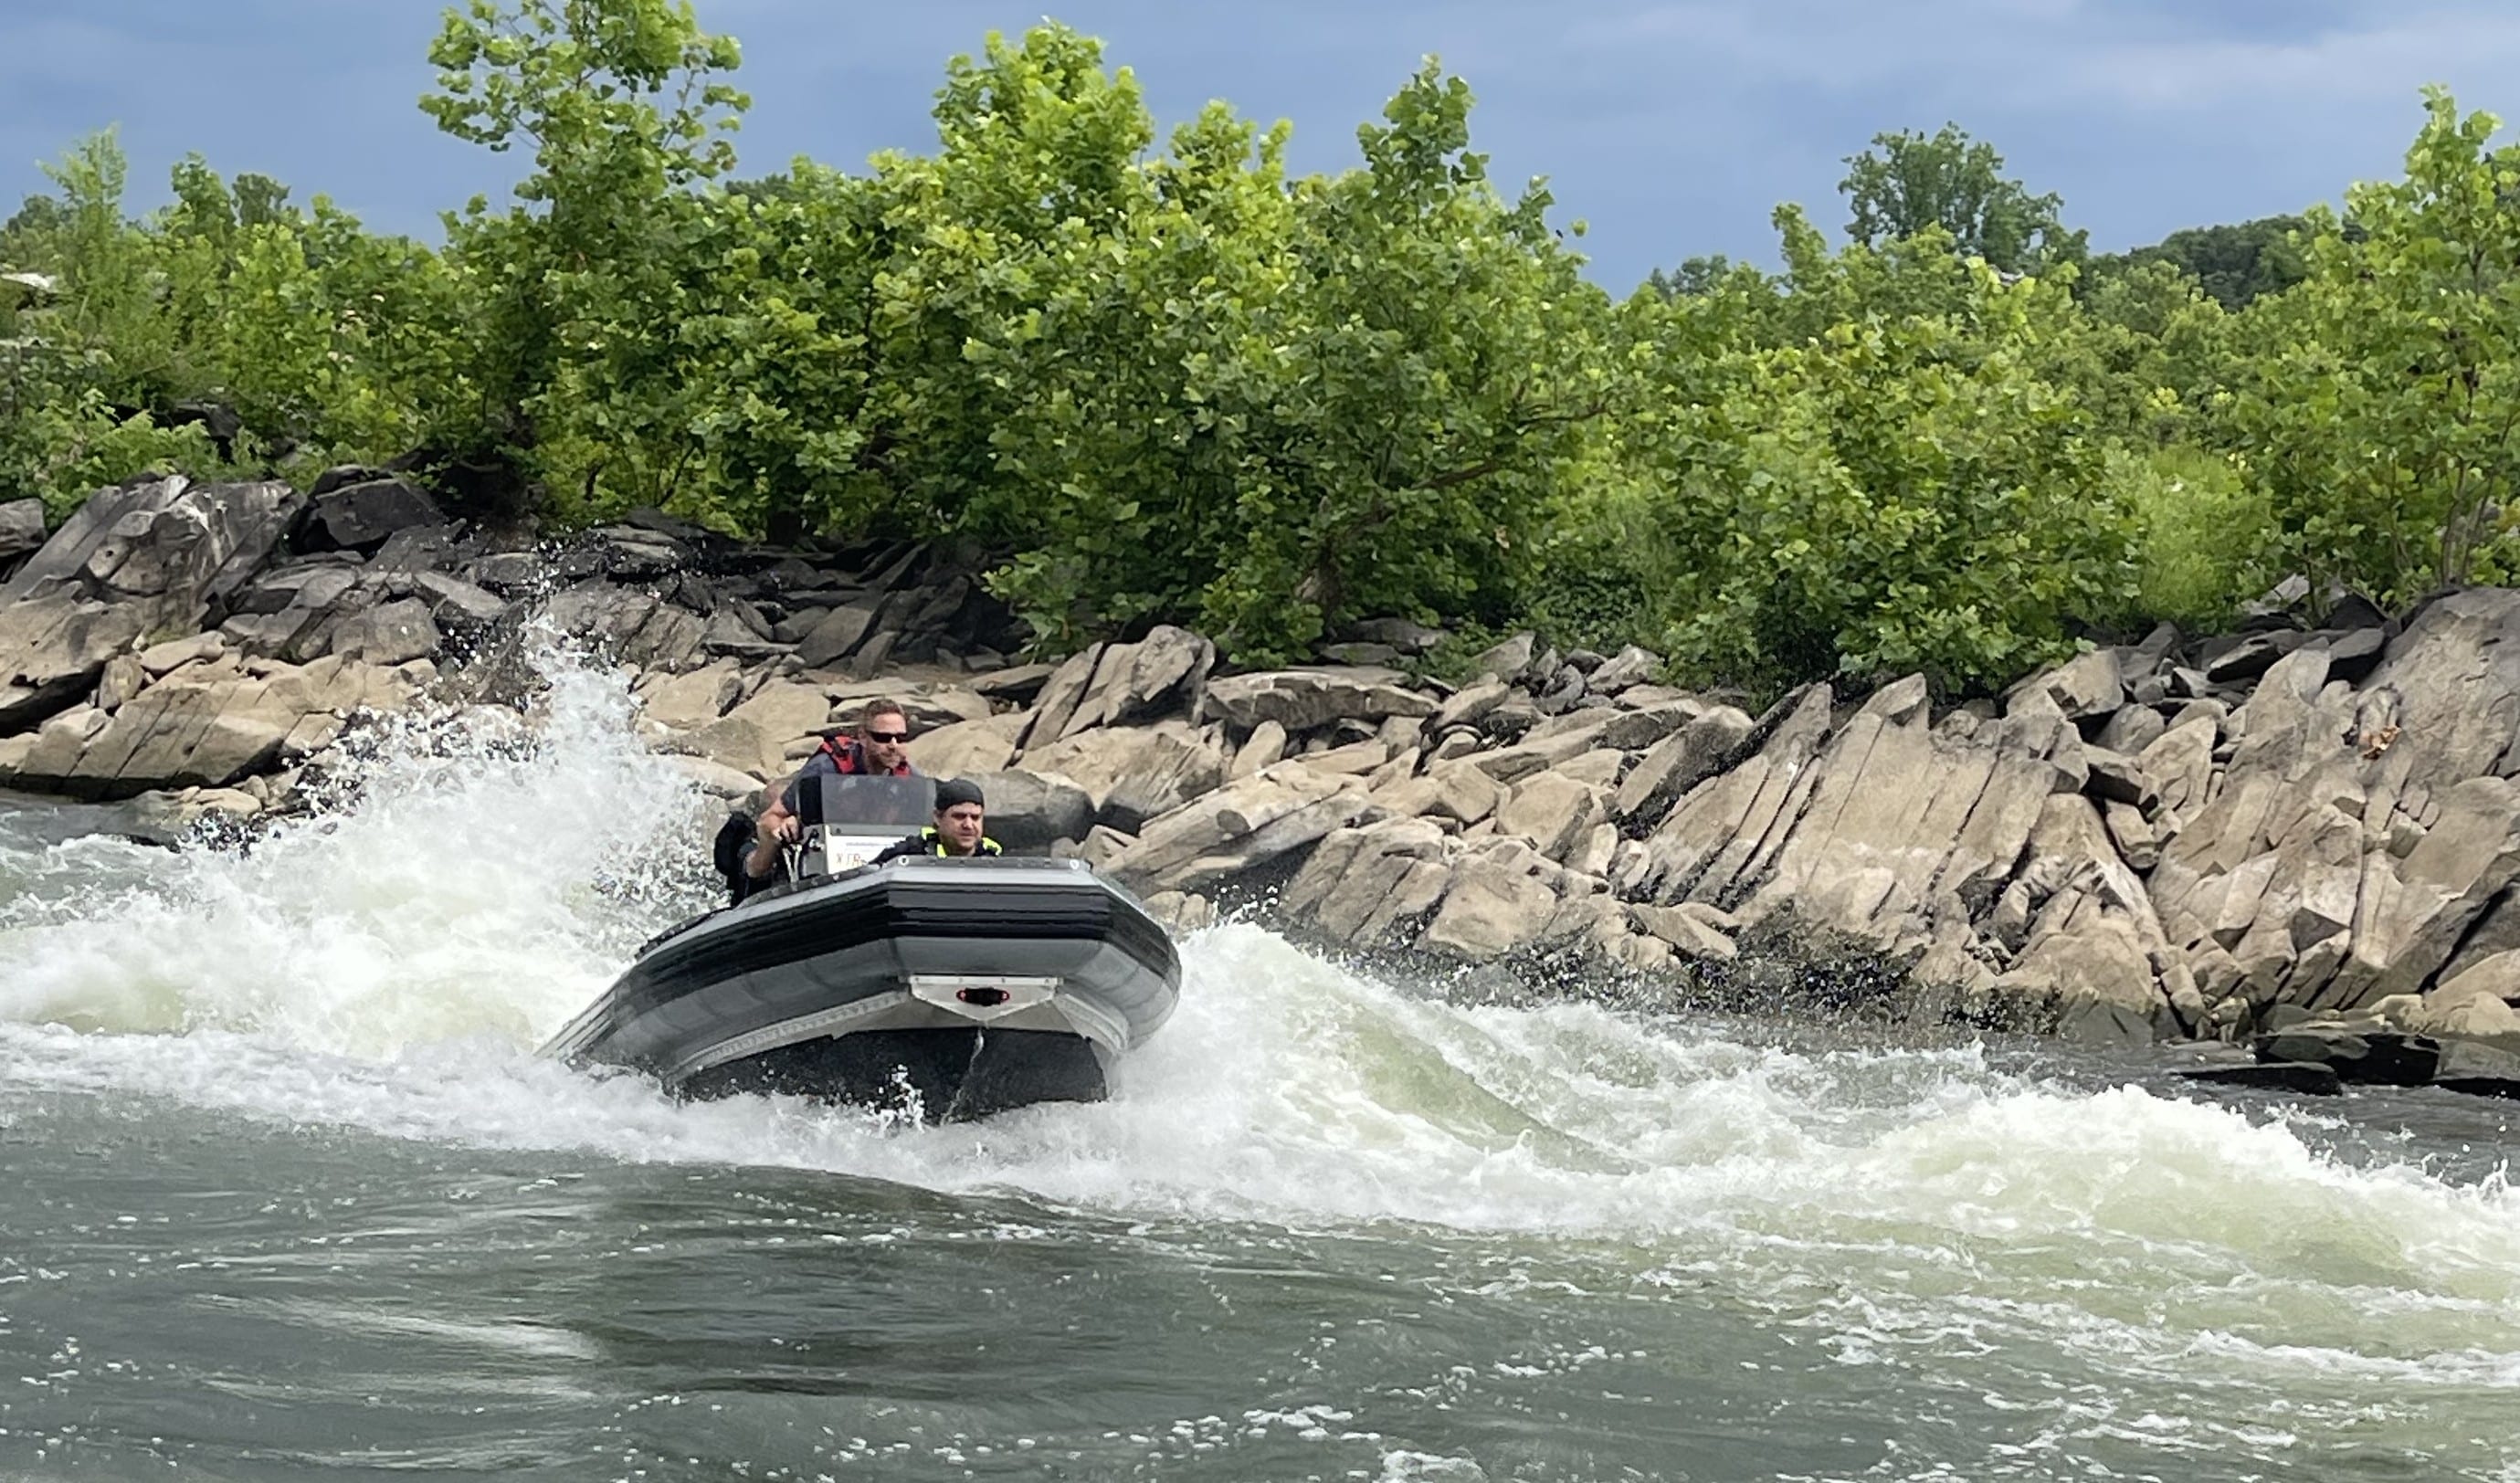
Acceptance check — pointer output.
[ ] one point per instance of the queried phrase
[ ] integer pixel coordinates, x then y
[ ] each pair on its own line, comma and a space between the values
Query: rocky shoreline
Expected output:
2304, 842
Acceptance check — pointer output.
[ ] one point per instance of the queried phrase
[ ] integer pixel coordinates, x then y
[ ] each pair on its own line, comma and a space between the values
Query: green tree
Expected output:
1904, 487
625, 107
1693, 276
1437, 375
30, 238
2234, 264
2380, 410
1908, 181
1187, 387
2148, 355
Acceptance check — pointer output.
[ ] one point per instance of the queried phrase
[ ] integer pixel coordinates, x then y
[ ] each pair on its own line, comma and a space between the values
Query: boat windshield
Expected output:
859, 803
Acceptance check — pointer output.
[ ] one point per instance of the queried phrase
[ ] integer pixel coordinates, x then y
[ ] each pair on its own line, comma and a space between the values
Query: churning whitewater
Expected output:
1976, 1261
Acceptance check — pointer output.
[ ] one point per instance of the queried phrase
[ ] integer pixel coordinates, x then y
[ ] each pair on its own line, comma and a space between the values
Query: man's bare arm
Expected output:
776, 829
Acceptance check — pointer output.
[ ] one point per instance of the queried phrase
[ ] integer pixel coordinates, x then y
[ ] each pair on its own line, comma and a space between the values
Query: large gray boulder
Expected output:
1505, 661
456, 605
2454, 674
137, 563
2085, 684
835, 635
632, 626
1469, 705
1679, 762
983, 745
1365, 886
1491, 907
1551, 810
1453, 790
53, 648
1553, 743
681, 702
360, 516
1029, 810
22, 527
1163, 674
1629, 667
389, 634
1135, 774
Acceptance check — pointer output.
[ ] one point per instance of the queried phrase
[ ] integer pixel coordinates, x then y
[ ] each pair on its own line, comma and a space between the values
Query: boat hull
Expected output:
947, 988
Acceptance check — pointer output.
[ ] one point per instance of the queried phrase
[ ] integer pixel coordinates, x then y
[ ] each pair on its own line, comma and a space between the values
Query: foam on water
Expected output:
390, 967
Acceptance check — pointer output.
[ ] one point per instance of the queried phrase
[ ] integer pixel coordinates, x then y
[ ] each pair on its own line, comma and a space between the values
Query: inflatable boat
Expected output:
944, 988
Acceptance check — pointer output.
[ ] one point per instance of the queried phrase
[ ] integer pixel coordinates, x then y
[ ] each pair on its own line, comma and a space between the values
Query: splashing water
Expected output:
489, 878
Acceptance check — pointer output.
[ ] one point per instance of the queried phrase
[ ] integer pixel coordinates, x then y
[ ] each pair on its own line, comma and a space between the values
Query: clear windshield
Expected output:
853, 805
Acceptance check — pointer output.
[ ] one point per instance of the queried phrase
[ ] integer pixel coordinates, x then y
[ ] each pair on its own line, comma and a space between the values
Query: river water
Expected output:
285, 1194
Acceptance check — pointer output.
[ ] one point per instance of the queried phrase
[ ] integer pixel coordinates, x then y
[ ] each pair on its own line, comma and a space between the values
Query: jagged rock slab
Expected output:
1247, 824
1700, 849
1489, 908
1162, 674
1361, 887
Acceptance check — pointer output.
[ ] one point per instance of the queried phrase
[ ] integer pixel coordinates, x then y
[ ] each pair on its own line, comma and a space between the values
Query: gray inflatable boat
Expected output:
946, 988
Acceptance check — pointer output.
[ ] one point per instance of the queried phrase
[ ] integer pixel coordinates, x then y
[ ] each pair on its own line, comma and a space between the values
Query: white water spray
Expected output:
490, 877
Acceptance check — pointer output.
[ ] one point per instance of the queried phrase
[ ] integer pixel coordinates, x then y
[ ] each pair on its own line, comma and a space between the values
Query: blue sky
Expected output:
1672, 128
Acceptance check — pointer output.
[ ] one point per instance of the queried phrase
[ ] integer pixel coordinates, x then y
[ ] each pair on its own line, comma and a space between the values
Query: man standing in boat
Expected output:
881, 748
961, 814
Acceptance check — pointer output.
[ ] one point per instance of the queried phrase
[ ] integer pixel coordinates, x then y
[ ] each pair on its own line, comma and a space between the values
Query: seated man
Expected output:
882, 746
960, 813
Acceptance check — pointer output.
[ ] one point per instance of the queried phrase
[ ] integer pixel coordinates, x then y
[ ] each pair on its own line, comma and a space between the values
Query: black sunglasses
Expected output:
887, 735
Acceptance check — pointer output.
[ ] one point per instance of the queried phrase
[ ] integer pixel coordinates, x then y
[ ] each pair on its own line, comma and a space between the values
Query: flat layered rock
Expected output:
985, 745
1306, 700
207, 726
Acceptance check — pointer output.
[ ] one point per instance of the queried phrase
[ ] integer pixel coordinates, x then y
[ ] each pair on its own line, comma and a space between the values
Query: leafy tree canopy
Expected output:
2234, 264
1909, 182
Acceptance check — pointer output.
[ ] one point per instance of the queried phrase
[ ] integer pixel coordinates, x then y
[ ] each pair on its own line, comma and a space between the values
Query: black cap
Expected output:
955, 790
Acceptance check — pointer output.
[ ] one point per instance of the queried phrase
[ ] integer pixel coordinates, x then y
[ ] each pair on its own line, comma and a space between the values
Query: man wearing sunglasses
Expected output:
880, 747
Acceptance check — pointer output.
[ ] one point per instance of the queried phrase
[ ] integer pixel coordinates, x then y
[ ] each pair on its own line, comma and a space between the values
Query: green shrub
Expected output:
2205, 539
